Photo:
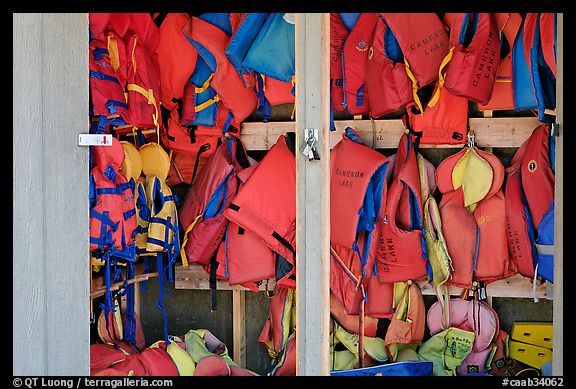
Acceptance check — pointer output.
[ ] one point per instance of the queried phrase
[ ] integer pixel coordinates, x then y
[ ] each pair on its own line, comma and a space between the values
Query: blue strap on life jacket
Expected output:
102, 76
545, 245
112, 104
107, 226
263, 103
160, 301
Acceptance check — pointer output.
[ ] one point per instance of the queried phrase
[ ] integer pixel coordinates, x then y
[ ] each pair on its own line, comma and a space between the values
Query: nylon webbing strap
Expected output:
212, 281
149, 94
160, 301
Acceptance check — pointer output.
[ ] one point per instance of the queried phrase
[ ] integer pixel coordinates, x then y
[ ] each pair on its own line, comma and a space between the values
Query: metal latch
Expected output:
311, 137
94, 139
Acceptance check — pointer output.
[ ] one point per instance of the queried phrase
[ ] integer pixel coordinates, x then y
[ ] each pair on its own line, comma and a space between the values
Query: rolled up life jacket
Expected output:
211, 42
473, 216
211, 192
386, 78
473, 57
266, 206
349, 49
176, 58
530, 205
540, 54
424, 43
447, 350
502, 96
358, 194
143, 74
401, 250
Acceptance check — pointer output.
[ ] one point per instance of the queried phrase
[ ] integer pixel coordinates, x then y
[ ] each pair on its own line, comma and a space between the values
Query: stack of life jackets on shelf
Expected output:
113, 230
472, 209
530, 205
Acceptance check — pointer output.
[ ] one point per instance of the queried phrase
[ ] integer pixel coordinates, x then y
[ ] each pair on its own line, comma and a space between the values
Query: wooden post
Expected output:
51, 310
312, 195
558, 302
239, 326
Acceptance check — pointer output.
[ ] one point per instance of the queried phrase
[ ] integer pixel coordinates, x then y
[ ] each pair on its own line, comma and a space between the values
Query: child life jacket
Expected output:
473, 58
473, 216
530, 205
210, 194
350, 40
386, 77
266, 206
502, 96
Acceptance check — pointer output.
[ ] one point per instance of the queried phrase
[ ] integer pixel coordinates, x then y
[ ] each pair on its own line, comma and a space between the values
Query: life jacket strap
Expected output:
149, 94
441, 78
204, 86
206, 104
212, 282
102, 76
160, 301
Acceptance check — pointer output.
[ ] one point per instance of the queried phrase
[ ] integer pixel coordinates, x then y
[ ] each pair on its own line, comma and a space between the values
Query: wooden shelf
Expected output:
195, 277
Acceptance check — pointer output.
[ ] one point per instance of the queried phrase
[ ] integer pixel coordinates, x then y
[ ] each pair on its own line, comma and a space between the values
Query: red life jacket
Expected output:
278, 92
248, 259
476, 241
106, 87
143, 83
400, 253
548, 40
424, 42
175, 136
444, 123
176, 58
389, 85
211, 42
502, 96
352, 167
348, 55
211, 192
472, 61
266, 204
529, 195
112, 213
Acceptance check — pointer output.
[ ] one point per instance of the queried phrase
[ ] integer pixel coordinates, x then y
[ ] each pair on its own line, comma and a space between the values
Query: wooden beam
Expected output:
312, 195
239, 326
558, 302
194, 276
385, 134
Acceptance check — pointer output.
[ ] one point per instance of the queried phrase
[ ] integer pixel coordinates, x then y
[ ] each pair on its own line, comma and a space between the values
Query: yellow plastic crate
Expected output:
529, 354
536, 333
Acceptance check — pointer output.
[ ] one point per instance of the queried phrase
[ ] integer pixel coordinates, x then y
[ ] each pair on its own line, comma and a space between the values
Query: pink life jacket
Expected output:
389, 85
348, 56
473, 60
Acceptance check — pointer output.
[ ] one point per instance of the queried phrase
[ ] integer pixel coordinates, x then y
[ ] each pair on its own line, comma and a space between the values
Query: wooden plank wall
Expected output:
50, 195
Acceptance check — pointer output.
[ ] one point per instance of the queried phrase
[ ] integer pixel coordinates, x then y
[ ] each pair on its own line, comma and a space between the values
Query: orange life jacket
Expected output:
474, 56
401, 249
211, 42
176, 58
348, 55
502, 96
386, 78
266, 204
476, 241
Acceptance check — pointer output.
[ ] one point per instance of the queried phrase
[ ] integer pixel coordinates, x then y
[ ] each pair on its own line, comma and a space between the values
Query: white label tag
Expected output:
94, 139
